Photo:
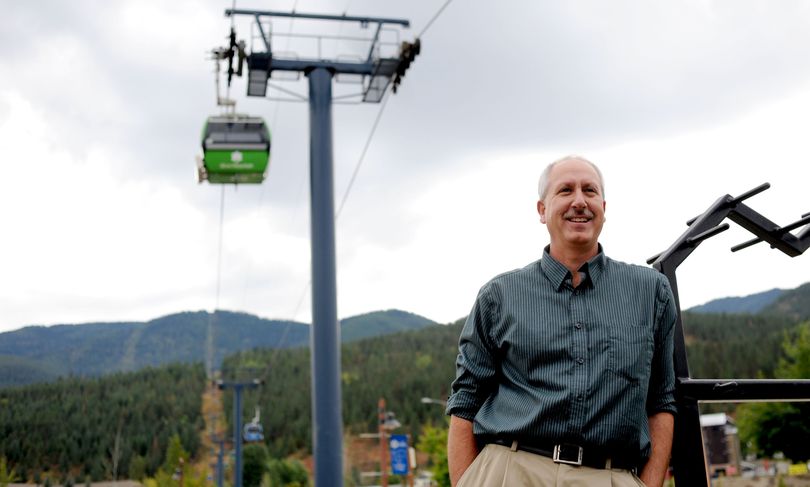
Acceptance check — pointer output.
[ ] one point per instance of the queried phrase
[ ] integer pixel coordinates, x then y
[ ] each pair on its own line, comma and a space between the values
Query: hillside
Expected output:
734, 346
38, 353
69, 349
741, 337
753, 303
381, 323
794, 303
70, 427
402, 367
406, 366
18, 371
81, 414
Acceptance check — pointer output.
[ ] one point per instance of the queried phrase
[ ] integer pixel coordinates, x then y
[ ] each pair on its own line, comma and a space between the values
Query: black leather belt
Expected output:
571, 454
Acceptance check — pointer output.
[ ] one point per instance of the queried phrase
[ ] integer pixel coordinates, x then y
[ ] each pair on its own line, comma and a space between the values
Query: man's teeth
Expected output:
579, 220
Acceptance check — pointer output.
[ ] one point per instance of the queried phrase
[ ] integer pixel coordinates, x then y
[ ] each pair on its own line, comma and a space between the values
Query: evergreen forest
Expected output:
80, 428
405, 367
104, 427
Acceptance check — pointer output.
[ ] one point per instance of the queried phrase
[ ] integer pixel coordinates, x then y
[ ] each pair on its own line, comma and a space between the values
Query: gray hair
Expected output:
542, 184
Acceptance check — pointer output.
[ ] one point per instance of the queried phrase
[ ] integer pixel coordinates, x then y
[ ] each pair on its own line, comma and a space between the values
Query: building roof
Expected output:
716, 419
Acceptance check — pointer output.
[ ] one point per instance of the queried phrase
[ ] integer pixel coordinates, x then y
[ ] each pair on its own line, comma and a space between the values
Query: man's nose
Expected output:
579, 199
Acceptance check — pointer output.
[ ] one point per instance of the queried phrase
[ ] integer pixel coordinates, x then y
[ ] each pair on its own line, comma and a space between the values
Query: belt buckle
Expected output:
563, 453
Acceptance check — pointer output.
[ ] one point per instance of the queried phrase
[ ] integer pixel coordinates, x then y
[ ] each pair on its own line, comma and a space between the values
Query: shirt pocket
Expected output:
629, 351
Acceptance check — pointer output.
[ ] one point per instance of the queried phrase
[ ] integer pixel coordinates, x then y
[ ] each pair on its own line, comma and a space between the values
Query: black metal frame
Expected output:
688, 457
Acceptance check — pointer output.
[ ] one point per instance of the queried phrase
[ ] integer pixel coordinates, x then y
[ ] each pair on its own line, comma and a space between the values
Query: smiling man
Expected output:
564, 374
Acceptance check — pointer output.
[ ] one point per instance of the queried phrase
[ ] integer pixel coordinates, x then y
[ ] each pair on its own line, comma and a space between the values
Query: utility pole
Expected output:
383, 443
327, 419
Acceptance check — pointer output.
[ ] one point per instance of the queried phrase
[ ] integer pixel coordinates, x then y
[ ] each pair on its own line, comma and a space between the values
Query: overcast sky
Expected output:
102, 103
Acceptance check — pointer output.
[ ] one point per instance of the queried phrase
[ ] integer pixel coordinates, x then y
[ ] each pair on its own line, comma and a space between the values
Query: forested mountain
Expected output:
753, 303
791, 302
17, 371
722, 344
403, 368
71, 424
38, 353
381, 323
794, 303
734, 346
69, 349
407, 366
69, 427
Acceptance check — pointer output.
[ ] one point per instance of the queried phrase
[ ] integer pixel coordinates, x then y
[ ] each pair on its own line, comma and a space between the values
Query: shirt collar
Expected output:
558, 274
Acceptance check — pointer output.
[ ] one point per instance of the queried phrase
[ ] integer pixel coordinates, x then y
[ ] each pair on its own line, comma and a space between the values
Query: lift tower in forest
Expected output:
378, 74
238, 387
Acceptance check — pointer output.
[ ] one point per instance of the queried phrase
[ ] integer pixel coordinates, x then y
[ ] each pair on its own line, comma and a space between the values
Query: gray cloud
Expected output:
550, 77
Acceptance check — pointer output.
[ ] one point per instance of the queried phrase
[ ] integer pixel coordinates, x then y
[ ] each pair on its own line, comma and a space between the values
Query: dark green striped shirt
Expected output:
541, 360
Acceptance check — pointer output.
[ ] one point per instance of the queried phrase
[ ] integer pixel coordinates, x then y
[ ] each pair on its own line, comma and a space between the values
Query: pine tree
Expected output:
775, 427
174, 452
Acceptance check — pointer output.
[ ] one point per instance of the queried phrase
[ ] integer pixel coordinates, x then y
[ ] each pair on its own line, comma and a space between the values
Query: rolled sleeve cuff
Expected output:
463, 405
663, 407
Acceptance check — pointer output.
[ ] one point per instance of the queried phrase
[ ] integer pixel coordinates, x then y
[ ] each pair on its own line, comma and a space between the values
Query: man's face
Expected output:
573, 208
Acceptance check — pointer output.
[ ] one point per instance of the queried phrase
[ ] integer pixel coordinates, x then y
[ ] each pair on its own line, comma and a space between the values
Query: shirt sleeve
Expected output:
475, 364
661, 395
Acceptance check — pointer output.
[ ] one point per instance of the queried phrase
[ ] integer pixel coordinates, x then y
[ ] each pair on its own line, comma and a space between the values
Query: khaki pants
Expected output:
499, 466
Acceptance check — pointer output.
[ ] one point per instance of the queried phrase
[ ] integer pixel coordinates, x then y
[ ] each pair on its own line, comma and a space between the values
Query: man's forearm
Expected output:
461, 448
661, 427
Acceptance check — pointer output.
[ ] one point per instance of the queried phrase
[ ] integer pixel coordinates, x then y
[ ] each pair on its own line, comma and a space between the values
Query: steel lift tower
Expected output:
378, 73
238, 387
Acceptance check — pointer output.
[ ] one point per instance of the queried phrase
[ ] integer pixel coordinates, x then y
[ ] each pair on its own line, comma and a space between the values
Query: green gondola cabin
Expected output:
236, 150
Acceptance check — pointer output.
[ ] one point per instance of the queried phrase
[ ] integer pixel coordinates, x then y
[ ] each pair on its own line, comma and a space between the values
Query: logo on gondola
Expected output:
236, 156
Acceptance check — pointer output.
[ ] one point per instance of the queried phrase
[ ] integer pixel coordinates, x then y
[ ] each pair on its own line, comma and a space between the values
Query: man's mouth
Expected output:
579, 217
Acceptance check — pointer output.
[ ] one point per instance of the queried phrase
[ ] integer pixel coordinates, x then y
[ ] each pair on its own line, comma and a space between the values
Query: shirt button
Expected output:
579, 397
580, 360
578, 325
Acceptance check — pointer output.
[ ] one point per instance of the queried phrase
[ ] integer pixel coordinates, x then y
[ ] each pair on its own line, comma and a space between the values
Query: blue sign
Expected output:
398, 445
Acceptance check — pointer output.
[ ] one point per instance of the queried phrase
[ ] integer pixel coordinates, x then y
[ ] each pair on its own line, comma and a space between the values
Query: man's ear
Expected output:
541, 210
